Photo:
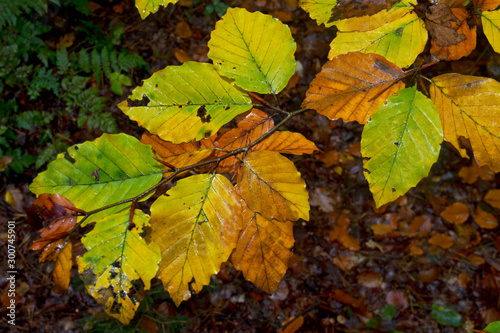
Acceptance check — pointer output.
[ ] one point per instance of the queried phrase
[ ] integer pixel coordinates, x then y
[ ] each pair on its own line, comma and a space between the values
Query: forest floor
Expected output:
354, 269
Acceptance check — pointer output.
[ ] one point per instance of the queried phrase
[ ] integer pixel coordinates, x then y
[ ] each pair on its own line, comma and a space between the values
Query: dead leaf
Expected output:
14, 198
183, 30
358, 8
62, 269
182, 56
343, 297
463, 280
398, 299
340, 233
461, 49
292, 324
322, 199
415, 248
475, 260
486, 5
438, 22
484, 219
456, 213
441, 240
493, 198
370, 279
282, 15
428, 275
4, 161
420, 226
66, 40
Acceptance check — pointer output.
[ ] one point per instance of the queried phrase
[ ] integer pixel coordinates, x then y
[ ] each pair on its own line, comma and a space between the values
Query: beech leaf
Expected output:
62, 269
147, 7
469, 106
402, 142
117, 254
112, 168
399, 40
486, 4
263, 250
196, 225
254, 49
351, 86
271, 185
491, 28
186, 102
286, 142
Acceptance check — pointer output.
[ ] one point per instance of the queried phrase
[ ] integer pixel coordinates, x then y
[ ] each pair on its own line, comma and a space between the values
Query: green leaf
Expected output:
186, 102
493, 327
147, 7
401, 141
445, 316
197, 226
118, 254
491, 28
388, 312
112, 168
254, 49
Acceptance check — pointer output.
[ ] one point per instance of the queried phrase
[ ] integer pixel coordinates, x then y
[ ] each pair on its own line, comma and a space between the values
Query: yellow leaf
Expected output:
462, 49
263, 250
62, 269
197, 226
491, 28
287, 143
351, 86
271, 185
469, 106
399, 41
146, 7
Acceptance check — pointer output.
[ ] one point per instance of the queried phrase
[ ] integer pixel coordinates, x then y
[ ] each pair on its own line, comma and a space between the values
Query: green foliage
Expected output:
388, 312
493, 327
446, 316
11, 10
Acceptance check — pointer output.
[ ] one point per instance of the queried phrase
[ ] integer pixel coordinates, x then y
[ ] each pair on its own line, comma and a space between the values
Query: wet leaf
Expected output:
493, 198
263, 250
461, 28
441, 240
446, 316
401, 142
352, 86
484, 219
186, 102
118, 254
456, 213
469, 106
491, 28
112, 168
271, 185
196, 224
399, 40
493, 327
147, 7
254, 49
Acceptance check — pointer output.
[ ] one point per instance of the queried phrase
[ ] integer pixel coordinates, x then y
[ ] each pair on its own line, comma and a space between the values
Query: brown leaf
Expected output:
183, 30
182, 56
351, 86
370, 279
461, 49
60, 213
398, 299
463, 280
358, 8
441, 240
484, 219
476, 260
457, 213
429, 275
341, 234
486, 4
345, 298
292, 324
438, 22
415, 248
420, 226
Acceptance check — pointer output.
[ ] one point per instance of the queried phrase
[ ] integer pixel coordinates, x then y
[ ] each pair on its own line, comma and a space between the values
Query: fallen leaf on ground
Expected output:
484, 219
456, 213
441, 240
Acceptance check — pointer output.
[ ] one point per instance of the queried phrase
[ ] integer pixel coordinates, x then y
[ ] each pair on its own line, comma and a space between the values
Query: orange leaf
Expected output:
62, 269
462, 49
381, 229
476, 260
370, 279
486, 4
420, 225
263, 250
250, 128
178, 155
415, 248
351, 86
287, 143
340, 233
271, 185
441, 240
294, 323
457, 213
493, 198
345, 298
463, 280
485, 220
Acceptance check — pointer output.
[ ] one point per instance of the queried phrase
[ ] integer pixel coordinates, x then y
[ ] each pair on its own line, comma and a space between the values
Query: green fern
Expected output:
62, 61
43, 79
96, 65
10, 10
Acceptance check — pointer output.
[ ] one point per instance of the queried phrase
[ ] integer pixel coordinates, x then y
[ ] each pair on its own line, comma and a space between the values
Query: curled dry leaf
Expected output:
457, 213
58, 211
484, 219
439, 20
